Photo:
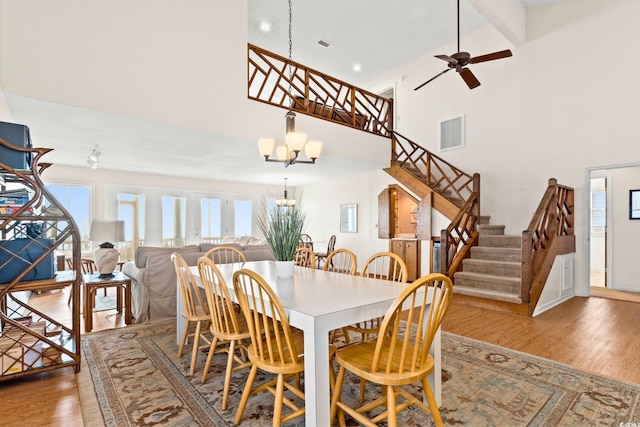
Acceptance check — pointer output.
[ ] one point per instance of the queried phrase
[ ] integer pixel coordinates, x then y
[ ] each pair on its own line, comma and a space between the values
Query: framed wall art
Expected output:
349, 218
634, 204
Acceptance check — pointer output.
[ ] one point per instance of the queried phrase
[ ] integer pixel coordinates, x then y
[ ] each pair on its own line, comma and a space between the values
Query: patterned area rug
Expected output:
131, 377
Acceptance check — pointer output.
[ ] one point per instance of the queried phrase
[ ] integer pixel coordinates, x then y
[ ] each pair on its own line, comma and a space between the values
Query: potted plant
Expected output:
280, 226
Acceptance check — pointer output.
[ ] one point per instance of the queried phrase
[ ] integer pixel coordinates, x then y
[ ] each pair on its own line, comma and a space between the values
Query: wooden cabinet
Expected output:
32, 231
406, 221
402, 215
409, 251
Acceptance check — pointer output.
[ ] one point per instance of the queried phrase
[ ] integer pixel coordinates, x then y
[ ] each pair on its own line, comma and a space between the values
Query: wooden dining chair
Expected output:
384, 266
275, 347
228, 326
400, 355
195, 311
304, 257
322, 256
341, 261
226, 255
306, 240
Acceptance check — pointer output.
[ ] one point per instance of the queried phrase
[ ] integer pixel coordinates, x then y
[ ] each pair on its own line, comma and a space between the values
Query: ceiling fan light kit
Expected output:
459, 61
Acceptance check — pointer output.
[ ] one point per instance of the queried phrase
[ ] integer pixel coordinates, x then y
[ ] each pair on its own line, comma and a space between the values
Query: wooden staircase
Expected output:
488, 268
492, 275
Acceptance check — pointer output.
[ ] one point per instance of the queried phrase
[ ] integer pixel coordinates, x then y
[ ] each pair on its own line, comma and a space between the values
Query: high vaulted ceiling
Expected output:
377, 34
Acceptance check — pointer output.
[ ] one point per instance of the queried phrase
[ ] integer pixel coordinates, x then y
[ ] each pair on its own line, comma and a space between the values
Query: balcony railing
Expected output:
315, 94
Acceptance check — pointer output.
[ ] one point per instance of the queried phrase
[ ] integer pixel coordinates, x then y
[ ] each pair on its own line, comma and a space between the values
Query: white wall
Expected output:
626, 232
563, 103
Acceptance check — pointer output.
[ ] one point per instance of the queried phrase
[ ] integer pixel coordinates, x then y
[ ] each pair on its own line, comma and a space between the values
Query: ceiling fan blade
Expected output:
490, 56
447, 58
433, 78
469, 78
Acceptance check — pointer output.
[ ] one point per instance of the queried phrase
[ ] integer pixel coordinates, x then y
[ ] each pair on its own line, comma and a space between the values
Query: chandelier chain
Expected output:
290, 66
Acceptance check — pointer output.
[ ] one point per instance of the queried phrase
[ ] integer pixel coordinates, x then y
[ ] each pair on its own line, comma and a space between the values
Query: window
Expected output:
77, 200
210, 220
598, 209
243, 217
131, 211
173, 221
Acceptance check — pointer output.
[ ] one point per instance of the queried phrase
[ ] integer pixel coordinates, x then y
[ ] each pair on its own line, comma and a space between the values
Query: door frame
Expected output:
584, 288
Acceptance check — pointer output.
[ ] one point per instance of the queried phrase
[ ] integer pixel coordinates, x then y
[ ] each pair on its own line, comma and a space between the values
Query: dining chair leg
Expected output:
194, 351
207, 365
363, 387
183, 340
227, 376
433, 405
335, 396
245, 394
277, 407
392, 420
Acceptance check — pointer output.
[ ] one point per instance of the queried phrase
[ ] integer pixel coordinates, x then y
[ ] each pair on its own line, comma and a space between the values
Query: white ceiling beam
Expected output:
507, 16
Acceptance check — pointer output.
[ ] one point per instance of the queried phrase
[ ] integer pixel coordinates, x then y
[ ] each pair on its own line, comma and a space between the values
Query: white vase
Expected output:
284, 268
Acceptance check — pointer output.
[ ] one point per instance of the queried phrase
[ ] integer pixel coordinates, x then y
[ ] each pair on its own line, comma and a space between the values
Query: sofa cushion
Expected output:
143, 252
242, 240
206, 247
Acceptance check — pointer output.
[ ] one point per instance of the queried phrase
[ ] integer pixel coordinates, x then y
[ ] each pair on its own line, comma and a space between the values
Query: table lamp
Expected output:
105, 257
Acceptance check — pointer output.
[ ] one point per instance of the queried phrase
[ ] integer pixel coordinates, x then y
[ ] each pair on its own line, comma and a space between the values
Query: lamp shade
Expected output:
266, 146
313, 149
103, 230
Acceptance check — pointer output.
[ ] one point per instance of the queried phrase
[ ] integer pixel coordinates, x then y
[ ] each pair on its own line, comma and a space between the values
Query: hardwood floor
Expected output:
50, 398
593, 334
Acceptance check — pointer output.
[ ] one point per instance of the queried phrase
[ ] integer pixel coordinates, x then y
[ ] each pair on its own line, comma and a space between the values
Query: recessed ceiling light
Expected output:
265, 26
357, 67
324, 43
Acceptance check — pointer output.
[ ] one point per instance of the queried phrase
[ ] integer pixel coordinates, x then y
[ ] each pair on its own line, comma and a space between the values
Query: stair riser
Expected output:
500, 241
491, 230
496, 254
493, 268
510, 288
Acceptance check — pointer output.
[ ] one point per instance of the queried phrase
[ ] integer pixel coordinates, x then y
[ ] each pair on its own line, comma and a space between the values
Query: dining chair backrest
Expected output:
386, 266
226, 255
341, 261
305, 257
189, 290
405, 334
332, 244
224, 320
306, 241
271, 336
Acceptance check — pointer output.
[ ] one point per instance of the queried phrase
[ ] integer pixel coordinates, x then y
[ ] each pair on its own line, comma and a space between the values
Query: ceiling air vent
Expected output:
324, 43
452, 133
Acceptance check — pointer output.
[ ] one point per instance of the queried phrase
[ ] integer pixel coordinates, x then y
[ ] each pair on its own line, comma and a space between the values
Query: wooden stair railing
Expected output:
437, 173
462, 234
315, 93
550, 233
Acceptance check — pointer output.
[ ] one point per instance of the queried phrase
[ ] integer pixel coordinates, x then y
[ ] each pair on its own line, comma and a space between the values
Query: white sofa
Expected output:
154, 280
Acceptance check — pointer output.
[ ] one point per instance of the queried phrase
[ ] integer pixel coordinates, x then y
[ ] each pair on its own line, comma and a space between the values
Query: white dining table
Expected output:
317, 302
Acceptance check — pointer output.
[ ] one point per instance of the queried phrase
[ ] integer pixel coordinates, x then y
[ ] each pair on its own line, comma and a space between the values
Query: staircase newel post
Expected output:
476, 189
444, 254
527, 258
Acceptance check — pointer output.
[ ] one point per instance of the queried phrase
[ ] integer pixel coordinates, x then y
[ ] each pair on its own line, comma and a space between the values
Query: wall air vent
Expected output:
324, 43
452, 133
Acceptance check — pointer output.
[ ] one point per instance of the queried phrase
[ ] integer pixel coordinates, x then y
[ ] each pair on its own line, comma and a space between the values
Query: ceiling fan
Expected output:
459, 61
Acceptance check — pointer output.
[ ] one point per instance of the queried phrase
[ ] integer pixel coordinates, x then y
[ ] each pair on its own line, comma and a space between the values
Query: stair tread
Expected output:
489, 294
489, 261
487, 277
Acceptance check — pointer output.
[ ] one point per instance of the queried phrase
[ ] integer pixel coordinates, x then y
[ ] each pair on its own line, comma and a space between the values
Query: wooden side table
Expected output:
93, 282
